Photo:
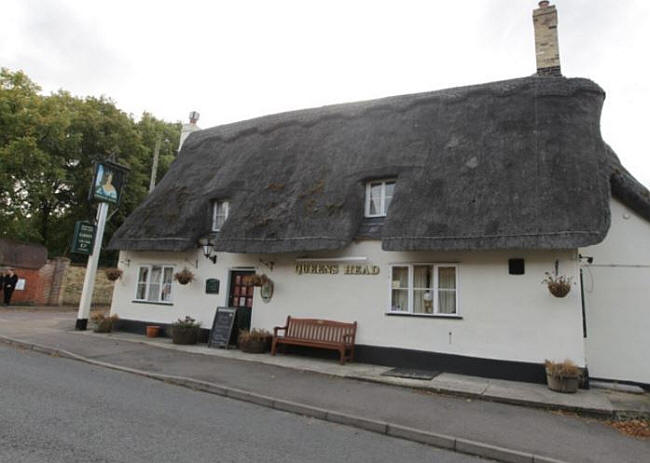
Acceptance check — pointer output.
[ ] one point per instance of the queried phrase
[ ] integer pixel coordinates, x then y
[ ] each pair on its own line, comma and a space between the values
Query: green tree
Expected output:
48, 146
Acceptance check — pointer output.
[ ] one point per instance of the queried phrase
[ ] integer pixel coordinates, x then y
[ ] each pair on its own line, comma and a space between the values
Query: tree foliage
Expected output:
48, 145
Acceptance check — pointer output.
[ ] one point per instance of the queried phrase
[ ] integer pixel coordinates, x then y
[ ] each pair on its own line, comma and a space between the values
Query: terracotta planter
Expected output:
568, 384
153, 331
185, 335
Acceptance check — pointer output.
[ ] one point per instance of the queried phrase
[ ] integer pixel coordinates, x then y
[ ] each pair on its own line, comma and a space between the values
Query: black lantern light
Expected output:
208, 249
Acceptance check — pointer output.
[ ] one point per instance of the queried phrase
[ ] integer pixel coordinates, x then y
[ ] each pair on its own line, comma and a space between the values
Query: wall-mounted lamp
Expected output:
208, 249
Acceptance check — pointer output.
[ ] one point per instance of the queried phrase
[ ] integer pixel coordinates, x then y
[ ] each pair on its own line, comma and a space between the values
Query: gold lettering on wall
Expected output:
333, 269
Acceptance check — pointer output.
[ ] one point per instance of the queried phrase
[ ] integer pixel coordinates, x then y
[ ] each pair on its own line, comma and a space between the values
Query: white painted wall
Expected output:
507, 317
617, 299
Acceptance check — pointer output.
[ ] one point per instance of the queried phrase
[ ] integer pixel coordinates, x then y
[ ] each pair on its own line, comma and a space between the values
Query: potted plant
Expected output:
562, 376
255, 341
184, 276
185, 331
103, 323
113, 274
558, 285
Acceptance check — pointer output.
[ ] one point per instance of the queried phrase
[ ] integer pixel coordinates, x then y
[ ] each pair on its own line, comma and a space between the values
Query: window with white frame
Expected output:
378, 197
429, 289
154, 283
219, 214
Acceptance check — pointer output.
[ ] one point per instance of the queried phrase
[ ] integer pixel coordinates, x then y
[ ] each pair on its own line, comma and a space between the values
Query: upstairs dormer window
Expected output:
219, 214
379, 194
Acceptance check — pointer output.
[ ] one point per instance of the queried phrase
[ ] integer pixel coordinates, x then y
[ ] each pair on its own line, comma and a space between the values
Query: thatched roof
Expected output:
512, 164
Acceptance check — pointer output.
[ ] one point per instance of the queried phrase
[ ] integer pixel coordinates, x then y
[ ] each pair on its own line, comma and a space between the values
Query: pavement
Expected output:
470, 415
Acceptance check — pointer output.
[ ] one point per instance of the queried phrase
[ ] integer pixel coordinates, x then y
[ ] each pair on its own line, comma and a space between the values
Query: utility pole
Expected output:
154, 166
91, 270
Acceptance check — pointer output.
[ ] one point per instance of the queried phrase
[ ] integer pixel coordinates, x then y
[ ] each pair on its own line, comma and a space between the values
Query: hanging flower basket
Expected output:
558, 285
184, 276
257, 280
113, 274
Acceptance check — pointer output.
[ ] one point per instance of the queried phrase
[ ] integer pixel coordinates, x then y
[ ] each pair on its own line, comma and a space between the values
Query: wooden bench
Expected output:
313, 332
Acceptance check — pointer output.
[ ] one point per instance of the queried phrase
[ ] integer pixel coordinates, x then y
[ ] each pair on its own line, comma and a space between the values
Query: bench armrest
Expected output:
279, 328
348, 338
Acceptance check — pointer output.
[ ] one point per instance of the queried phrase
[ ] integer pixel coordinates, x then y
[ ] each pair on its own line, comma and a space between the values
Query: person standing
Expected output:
9, 284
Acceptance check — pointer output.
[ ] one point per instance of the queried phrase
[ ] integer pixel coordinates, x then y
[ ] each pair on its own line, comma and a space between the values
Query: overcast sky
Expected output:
237, 59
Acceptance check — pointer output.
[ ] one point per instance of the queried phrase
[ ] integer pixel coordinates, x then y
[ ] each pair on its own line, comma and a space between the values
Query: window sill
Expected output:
423, 315
135, 301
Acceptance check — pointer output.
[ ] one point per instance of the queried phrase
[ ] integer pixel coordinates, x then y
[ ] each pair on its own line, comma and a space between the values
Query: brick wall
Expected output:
73, 284
42, 286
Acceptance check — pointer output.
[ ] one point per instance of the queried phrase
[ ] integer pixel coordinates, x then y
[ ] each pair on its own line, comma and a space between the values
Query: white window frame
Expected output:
225, 205
410, 290
148, 284
382, 200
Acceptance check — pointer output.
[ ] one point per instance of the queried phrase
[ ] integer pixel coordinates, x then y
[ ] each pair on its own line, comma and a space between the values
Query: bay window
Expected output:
424, 289
154, 283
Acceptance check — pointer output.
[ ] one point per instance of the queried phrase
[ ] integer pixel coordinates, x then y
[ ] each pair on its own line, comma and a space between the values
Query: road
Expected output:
58, 410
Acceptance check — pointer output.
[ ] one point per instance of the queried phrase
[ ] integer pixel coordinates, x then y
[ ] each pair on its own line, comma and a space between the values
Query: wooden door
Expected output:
241, 291
241, 297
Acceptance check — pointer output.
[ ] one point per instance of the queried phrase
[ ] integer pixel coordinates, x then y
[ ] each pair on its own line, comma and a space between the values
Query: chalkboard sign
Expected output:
222, 327
212, 286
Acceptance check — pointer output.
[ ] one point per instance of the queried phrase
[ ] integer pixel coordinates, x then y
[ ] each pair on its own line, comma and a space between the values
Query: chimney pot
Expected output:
547, 50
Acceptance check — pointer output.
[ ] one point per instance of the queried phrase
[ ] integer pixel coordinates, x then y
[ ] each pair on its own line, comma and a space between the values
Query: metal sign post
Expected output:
91, 270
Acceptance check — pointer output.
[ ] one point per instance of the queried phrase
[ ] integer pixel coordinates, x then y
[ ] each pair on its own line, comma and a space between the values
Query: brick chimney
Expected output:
547, 50
189, 128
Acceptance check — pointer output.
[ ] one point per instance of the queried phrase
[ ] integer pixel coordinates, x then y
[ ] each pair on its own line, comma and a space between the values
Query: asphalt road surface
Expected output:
58, 410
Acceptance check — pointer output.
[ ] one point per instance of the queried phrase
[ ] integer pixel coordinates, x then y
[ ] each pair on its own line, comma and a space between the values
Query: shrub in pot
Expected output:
255, 341
185, 331
562, 376
103, 323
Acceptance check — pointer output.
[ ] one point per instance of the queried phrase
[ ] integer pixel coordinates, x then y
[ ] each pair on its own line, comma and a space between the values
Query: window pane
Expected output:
447, 301
447, 277
399, 300
422, 276
375, 198
219, 214
387, 204
154, 286
166, 293
390, 186
142, 291
400, 277
422, 301
142, 276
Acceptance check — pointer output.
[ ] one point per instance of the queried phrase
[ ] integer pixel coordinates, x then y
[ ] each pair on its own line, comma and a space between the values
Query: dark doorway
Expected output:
241, 297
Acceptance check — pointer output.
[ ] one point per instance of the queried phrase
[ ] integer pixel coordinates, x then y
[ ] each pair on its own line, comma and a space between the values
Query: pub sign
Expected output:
108, 181
83, 238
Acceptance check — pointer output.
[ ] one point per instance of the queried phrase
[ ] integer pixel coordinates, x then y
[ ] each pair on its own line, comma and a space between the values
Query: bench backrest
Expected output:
315, 329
